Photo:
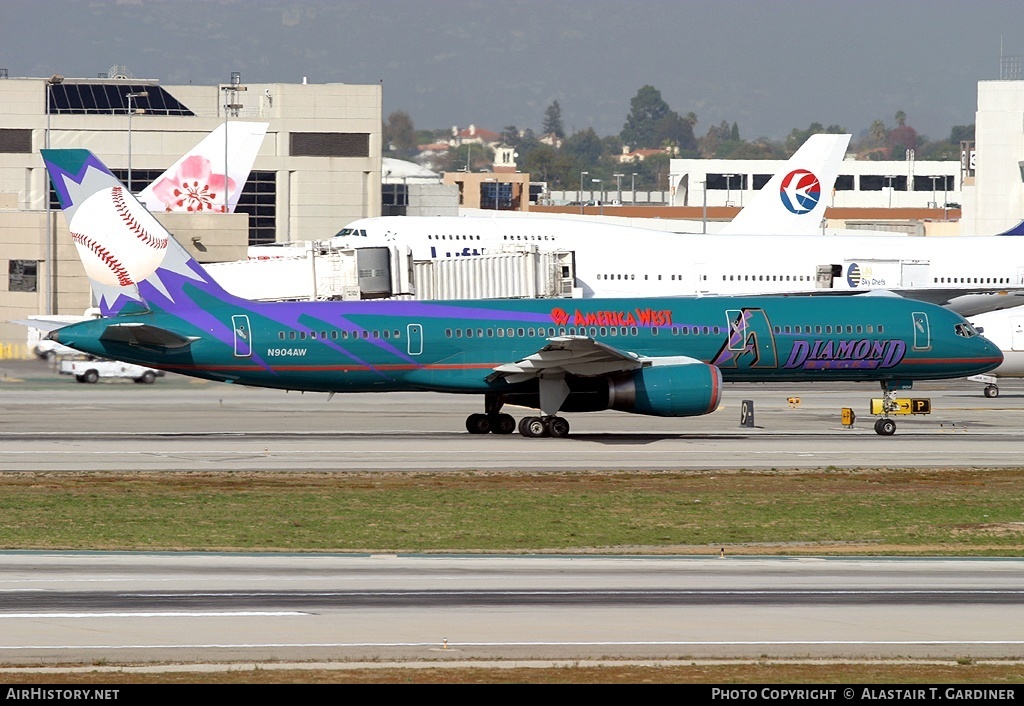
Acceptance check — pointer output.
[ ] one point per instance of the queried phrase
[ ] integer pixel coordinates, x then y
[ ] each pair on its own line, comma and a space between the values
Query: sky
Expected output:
768, 65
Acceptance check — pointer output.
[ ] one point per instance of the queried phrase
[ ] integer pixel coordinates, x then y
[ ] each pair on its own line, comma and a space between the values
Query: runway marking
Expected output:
166, 614
459, 645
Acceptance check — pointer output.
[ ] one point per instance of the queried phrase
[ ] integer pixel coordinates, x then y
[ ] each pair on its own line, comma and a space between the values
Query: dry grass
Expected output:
773, 672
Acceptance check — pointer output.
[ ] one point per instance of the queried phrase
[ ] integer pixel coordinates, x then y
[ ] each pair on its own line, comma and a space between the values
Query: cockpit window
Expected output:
965, 329
350, 231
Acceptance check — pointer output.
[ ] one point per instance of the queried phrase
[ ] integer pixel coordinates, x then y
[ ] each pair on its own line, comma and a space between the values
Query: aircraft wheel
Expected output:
503, 424
885, 427
991, 391
532, 427
478, 424
557, 427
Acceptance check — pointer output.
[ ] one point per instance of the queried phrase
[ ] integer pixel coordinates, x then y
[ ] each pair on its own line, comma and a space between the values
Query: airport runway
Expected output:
51, 423
86, 607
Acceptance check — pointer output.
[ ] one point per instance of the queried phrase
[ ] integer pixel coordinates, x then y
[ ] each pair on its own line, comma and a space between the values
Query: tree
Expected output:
540, 163
900, 140
553, 120
585, 146
645, 110
797, 136
878, 131
672, 130
399, 133
961, 133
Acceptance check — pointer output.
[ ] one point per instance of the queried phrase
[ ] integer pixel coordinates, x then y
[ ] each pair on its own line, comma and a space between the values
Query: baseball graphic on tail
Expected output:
119, 241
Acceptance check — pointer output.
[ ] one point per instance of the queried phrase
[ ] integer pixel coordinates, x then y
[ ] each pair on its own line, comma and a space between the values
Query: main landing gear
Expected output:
533, 427
991, 391
495, 422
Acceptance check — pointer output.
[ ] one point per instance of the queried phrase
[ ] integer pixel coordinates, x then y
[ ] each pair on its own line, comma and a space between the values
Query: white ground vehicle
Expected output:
91, 370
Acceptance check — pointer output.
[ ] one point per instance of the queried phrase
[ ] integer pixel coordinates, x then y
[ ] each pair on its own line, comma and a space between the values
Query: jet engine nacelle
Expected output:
685, 390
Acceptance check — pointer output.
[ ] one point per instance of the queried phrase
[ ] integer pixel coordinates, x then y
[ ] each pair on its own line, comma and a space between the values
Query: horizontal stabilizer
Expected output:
146, 336
40, 324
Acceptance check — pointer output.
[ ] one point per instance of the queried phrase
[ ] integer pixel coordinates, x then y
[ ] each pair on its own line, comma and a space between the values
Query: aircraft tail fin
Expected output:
197, 181
793, 201
132, 262
1016, 230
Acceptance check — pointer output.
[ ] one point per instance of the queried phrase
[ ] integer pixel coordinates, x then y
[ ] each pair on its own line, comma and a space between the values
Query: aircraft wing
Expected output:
978, 300
569, 355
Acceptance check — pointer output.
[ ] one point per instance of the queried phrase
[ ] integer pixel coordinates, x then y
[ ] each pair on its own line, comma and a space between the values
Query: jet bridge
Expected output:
320, 272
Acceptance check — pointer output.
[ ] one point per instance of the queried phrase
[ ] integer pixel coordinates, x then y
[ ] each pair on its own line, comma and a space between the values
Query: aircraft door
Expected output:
922, 334
415, 332
243, 335
737, 329
915, 274
699, 281
1017, 333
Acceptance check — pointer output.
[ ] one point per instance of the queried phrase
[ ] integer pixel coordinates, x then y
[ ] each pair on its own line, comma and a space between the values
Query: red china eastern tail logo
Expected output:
800, 191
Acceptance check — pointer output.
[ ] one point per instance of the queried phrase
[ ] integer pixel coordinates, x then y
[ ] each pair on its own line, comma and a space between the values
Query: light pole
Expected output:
934, 200
728, 187
891, 181
230, 103
129, 97
704, 215
632, 191
618, 186
600, 189
582, 174
51, 228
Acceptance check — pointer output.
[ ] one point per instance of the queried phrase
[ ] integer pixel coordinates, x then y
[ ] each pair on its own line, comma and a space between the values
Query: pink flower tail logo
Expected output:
194, 187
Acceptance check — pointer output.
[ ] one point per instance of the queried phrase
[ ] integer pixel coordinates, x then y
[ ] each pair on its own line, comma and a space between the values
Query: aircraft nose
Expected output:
990, 351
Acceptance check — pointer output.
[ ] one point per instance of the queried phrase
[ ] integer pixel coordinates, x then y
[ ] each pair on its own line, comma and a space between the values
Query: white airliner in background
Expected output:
792, 202
1006, 330
197, 181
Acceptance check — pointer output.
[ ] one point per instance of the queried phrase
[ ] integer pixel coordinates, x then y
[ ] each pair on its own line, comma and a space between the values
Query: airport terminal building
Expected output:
319, 168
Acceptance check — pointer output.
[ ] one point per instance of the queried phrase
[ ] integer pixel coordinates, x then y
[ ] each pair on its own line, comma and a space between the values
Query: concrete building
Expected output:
860, 184
994, 166
319, 169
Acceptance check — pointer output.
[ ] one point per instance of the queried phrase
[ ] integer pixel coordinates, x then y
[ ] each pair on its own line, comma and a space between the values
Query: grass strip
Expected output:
878, 512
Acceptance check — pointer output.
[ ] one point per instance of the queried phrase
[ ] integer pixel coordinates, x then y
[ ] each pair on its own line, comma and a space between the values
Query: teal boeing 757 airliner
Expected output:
663, 357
